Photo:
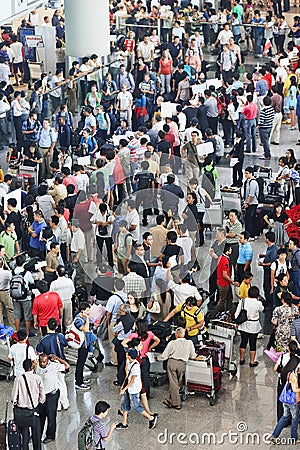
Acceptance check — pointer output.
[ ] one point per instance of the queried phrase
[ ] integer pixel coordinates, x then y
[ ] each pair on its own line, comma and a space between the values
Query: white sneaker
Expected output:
251, 239
260, 336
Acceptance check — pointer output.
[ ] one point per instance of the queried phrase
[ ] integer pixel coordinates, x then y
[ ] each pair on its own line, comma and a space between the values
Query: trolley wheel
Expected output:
9, 377
154, 382
212, 400
183, 396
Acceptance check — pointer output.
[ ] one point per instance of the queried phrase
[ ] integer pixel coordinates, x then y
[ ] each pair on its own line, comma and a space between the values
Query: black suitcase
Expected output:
297, 195
13, 436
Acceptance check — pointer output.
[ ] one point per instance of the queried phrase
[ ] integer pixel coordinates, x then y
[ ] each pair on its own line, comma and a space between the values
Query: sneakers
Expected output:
82, 387
251, 239
121, 426
86, 381
260, 336
152, 423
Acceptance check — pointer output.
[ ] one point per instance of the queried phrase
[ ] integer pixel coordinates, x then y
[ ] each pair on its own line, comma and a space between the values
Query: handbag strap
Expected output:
27, 387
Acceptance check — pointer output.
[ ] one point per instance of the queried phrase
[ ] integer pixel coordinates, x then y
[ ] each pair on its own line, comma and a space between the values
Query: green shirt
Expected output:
8, 240
239, 10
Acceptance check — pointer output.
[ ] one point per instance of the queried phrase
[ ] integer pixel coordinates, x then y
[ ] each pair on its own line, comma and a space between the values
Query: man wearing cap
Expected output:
190, 155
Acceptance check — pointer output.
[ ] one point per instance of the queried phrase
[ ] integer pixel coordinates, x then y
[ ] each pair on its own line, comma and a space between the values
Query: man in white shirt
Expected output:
17, 59
77, 252
183, 290
124, 104
4, 70
145, 50
223, 36
133, 220
186, 243
56, 81
64, 286
21, 351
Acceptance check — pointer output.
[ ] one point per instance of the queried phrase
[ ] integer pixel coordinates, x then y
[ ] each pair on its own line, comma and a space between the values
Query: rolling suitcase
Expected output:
3, 427
13, 436
216, 350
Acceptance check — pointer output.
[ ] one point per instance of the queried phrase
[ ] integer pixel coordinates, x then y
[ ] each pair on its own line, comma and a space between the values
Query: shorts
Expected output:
134, 400
18, 66
22, 308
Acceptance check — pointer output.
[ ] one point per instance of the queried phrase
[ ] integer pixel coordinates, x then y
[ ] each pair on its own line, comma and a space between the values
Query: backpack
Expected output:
261, 184
85, 438
208, 184
18, 288
194, 316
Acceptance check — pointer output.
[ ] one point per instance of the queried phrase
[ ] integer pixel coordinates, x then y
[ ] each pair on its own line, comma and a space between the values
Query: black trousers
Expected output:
18, 128
145, 197
213, 124
267, 286
250, 224
145, 375
201, 228
121, 358
237, 174
108, 243
213, 288
248, 337
49, 410
81, 358
35, 435
240, 273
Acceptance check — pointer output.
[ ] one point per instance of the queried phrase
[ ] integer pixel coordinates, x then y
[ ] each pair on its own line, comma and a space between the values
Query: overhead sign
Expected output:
34, 41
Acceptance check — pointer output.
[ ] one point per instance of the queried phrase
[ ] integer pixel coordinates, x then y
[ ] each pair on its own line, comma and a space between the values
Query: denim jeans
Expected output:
258, 44
283, 421
132, 400
264, 134
250, 132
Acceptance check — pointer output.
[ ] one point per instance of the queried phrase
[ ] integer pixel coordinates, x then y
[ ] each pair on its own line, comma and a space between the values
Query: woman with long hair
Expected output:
137, 308
279, 224
292, 102
149, 342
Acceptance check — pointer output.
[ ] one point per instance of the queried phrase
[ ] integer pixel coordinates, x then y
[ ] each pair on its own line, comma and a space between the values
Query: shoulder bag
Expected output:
26, 417
242, 317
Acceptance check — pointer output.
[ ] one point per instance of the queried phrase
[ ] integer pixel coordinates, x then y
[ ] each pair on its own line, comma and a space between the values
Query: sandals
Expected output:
167, 403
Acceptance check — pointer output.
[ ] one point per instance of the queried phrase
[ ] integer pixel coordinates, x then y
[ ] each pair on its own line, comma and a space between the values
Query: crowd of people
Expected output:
124, 164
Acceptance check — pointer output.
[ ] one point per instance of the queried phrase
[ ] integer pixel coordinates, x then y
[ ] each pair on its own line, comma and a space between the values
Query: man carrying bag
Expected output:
27, 393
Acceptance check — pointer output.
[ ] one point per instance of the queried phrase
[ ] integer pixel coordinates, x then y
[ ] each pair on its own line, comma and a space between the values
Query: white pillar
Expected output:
87, 27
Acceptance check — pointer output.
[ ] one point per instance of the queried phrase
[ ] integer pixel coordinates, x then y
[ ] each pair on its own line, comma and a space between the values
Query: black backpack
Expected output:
86, 437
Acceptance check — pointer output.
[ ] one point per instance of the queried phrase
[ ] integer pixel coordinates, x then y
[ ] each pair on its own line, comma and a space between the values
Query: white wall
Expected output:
87, 27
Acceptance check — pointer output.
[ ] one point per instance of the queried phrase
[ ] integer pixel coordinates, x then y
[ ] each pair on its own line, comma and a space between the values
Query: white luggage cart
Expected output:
225, 332
232, 199
213, 216
199, 377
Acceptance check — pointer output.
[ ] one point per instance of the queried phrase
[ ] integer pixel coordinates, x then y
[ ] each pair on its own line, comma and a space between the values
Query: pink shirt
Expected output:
146, 343
250, 111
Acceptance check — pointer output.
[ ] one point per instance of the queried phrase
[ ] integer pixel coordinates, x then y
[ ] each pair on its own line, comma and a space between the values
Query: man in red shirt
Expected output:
45, 306
224, 281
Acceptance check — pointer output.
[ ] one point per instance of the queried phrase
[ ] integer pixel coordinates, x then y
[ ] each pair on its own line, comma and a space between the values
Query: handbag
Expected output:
155, 309
288, 396
242, 317
26, 417
102, 331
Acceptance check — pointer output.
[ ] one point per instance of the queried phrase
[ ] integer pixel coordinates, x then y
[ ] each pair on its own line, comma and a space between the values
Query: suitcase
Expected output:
13, 436
263, 172
162, 330
213, 216
195, 387
3, 436
216, 350
217, 378
271, 199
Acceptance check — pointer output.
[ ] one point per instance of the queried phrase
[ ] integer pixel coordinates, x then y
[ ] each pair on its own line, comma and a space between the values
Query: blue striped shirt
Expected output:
245, 253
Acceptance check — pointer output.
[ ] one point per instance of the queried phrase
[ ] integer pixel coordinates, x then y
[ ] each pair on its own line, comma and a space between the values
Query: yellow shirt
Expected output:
243, 290
287, 84
188, 314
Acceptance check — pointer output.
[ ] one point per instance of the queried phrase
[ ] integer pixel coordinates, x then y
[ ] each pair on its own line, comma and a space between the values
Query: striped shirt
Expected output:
245, 253
235, 228
266, 117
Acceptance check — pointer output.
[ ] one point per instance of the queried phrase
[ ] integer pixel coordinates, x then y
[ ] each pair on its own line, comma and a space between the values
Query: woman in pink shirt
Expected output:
149, 342
165, 71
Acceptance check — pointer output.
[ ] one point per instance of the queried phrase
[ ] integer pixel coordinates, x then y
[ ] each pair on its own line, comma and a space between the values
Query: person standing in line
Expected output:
269, 257
77, 252
233, 231
295, 265
250, 113
265, 125
28, 392
64, 287
245, 256
48, 369
82, 323
215, 252
224, 281
251, 191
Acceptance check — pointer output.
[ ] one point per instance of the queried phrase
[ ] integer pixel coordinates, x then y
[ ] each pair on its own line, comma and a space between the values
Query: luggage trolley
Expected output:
6, 367
213, 216
225, 332
232, 199
199, 377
